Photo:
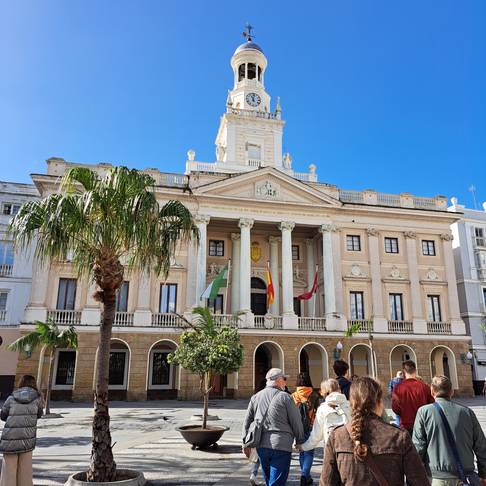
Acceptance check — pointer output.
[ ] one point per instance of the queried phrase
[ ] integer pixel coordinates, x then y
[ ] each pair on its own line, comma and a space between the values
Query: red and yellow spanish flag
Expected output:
270, 289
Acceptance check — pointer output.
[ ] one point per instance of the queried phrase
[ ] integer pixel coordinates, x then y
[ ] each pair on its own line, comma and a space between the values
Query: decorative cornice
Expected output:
274, 240
446, 237
246, 223
372, 231
235, 236
202, 219
327, 228
410, 234
286, 226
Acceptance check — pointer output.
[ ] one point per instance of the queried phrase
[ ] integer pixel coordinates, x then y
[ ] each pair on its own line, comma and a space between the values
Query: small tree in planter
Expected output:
208, 350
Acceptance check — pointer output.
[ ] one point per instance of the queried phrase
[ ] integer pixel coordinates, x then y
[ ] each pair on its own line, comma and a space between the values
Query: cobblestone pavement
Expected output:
146, 440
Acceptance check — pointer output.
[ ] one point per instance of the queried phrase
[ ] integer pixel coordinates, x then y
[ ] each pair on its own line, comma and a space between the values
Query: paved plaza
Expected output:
146, 440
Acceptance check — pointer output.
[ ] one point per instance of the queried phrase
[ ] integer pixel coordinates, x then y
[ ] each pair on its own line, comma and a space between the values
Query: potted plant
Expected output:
207, 350
49, 335
104, 220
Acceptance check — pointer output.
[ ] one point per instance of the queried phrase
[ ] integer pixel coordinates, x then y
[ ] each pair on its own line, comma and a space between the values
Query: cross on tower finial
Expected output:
247, 33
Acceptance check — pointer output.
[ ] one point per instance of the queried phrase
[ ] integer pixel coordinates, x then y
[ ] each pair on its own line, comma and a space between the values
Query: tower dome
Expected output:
248, 45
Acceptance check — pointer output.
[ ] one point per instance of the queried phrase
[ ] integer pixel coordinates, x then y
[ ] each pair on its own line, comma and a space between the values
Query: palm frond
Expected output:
29, 341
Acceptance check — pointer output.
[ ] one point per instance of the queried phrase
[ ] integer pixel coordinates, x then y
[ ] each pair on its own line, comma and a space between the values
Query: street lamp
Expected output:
28, 350
337, 350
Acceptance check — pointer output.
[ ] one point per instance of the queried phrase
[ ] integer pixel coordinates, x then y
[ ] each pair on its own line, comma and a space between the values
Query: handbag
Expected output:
471, 479
254, 434
370, 462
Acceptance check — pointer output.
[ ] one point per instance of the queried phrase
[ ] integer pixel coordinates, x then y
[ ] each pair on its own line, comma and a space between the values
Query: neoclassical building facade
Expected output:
384, 266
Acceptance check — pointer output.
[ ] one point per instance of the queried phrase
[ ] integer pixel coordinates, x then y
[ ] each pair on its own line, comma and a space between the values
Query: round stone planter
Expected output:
202, 438
128, 477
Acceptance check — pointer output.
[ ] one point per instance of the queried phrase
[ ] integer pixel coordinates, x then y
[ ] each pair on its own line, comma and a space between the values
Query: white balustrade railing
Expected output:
351, 196
400, 327
305, 176
163, 319
268, 322
362, 325
254, 163
201, 166
389, 199
65, 317
253, 113
438, 327
3, 315
6, 269
424, 202
312, 323
123, 319
226, 320
174, 180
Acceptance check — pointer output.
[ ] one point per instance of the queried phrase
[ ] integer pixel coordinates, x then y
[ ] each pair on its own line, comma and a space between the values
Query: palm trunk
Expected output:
102, 467
49, 383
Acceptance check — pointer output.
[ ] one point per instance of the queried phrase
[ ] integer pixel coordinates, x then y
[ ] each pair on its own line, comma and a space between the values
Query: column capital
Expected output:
286, 225
410, 234
246, 223
202, 219
446, 237
274, 240
235, 236
372, 231
325, 228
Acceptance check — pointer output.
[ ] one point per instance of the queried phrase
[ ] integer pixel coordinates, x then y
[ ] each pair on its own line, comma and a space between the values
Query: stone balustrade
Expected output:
65, 317
436, 327
401, 327
3, 315
123, 319
6, 270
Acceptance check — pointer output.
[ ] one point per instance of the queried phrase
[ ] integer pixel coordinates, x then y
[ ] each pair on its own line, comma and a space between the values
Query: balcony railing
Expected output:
3, 315
123, 319
362, 325
436, 327
268, 322
162, 319
403, 327
351, 196
65, 317
312, 323
255, 163
6, 270
226, 320
254, 114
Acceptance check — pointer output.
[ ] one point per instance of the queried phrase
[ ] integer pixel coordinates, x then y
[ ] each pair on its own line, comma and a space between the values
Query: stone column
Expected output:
311, 270
328, 264
419, 323
191, 276
286, 228
245, 265
235, 273
202, 224
274, 241
457, 324
37, 308
338, 278
143, 313
380, 322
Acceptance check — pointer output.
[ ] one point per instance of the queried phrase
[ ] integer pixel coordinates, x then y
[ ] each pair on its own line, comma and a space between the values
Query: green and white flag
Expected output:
221, 280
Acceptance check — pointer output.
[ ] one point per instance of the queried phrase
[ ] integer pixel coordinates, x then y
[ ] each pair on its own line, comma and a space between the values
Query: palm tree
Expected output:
102, 219
49, 335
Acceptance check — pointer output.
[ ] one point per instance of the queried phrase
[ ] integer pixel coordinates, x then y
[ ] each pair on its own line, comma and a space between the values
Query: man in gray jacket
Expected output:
430, 437
281, 426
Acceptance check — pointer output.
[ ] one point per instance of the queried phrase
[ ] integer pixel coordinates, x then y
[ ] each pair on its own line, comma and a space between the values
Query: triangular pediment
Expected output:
267, 184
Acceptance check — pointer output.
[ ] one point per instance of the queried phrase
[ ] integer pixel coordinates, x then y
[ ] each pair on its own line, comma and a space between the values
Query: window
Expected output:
65, 366
396, 307
254, 151
117, 375
3, 300
428, 247
391, 245
168, 298
161, 371
66, 294
479, 232
216, 305
297, 307
216, 248
295, 252
356, 305
434, 308
484, 297
6, 253
353, 243
122, 297
10, 209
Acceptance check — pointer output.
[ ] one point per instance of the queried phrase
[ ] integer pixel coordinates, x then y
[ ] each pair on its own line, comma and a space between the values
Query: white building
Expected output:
470, 258
15, 278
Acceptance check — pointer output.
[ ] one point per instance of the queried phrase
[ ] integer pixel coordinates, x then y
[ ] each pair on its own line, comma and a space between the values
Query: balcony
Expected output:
226, 320
268, 322
6, 270
255, 163
163, 319
312, 323
65, 317
123, 319
437, 327
400, 327
3, 315
362, 325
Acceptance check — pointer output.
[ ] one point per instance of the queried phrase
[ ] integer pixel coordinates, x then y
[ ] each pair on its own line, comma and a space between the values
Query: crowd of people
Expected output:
432, 440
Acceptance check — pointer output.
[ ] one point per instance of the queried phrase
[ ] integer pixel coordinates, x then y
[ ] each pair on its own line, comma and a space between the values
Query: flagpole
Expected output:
317, 287
225, 303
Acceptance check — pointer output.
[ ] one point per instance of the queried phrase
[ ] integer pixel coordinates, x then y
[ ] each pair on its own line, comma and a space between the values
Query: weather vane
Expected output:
247, 33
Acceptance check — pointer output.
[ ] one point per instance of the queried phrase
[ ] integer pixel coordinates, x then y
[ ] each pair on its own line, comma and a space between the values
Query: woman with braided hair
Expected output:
368, 451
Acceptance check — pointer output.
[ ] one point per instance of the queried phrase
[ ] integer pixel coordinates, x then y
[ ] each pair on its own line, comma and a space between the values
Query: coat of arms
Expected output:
256, 252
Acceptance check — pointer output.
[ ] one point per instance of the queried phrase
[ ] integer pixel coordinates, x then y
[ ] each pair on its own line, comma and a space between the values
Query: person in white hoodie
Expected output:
334, 411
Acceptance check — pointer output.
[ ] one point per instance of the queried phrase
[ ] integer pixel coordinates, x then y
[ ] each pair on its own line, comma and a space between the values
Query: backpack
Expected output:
307, 411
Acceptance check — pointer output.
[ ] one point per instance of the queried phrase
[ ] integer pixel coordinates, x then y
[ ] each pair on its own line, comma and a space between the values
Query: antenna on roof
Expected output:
472, 190
247, 33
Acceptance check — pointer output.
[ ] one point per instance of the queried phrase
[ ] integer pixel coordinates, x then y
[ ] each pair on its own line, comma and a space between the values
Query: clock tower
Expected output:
250, 133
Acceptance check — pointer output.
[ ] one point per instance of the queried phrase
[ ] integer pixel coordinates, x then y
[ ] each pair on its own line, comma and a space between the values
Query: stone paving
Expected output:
146, 440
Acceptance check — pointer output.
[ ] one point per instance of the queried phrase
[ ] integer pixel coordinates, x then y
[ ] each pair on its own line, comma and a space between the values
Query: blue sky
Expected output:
378, 94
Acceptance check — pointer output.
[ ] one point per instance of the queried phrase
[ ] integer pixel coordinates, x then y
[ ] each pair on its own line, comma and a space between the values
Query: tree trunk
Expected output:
204, 389
49, 383
102, 466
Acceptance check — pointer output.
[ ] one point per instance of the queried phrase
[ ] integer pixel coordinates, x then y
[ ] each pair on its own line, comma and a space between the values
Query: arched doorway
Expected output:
443, 362
118, 369
258, 296
313, 360
360, 360
398, 355
267, 355
162, 377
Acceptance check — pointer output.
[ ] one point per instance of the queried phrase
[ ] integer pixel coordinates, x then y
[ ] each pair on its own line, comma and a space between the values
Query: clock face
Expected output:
253, 99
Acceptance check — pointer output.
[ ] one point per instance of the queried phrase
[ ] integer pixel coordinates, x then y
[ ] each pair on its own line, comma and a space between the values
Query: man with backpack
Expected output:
307, 401
271, 424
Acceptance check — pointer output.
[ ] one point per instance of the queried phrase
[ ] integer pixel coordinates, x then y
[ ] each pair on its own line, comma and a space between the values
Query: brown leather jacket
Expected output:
392, 451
